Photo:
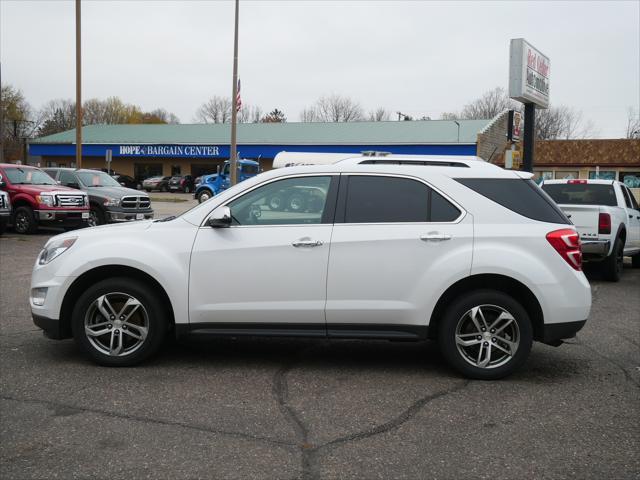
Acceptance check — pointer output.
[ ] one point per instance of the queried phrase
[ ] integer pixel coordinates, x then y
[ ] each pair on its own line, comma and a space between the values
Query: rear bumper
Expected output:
557, 331
595, 248
65, 217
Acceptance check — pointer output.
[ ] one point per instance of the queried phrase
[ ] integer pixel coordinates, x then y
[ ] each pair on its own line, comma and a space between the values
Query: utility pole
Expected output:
1, 124
233, 160
78, 89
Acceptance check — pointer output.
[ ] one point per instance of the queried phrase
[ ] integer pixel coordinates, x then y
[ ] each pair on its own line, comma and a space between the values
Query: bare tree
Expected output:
380, 114
334, 108
561, 122
249, 114
215, 110
449, 116
309, 115
160, 115
58, 115
633, 124
488, 105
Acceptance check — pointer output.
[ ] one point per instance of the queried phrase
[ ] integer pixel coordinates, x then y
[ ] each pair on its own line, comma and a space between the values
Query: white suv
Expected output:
391, 247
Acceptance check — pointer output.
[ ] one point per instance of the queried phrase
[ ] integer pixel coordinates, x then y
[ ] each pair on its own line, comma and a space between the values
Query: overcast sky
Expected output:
422, 58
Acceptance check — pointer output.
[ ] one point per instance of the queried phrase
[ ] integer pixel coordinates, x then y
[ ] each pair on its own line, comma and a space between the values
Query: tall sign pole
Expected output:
234, 107
78, 89
529, 76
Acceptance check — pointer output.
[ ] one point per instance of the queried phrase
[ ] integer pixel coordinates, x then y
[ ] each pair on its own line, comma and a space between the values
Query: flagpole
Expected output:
78, 88
234, 102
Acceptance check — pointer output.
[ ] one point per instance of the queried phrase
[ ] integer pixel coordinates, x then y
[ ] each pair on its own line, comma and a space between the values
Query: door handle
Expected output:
306, 243
435, 237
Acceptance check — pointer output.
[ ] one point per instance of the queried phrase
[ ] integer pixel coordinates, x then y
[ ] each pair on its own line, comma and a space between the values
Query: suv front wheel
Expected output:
485, 335
119, 322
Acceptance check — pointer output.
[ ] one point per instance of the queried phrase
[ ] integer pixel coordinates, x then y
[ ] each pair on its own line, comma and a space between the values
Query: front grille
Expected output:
135, 202
2, 205
70, 200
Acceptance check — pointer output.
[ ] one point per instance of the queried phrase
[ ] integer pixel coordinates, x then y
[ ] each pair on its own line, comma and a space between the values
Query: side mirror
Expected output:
220, 218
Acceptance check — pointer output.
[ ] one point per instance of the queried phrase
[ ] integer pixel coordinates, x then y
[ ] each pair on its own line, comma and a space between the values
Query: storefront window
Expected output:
566, 175
602, 175
540, 175
147, 170
630, 179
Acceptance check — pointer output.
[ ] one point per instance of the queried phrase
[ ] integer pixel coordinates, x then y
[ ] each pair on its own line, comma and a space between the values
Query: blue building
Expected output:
146, 150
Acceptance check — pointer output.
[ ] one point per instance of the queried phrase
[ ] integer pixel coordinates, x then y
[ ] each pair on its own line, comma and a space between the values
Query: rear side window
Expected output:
582, 193
520, 196
379, 199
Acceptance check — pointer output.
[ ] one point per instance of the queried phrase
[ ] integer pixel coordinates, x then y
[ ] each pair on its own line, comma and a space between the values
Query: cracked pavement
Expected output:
310, 409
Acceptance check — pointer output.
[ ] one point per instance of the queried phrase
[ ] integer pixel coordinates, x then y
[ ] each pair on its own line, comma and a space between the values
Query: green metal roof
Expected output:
311, 133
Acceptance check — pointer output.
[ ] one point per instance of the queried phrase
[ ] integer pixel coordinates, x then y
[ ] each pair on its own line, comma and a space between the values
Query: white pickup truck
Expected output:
607, 217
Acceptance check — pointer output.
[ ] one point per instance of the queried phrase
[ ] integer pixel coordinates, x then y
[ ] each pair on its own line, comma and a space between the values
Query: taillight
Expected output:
604, 223
576, 181
567, 244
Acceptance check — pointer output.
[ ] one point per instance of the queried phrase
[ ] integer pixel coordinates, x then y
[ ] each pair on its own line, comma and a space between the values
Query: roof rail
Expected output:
427, 163
374, 153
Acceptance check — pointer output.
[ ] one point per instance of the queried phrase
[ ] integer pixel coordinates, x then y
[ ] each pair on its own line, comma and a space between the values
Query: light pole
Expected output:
458, 124
234, 104
78, 89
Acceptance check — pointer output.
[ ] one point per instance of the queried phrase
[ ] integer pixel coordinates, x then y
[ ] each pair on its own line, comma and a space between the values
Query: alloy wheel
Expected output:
487, 336
93, 219
116, 324
21, 222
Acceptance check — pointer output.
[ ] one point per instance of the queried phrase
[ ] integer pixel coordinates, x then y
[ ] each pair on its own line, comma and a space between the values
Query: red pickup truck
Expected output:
38, 200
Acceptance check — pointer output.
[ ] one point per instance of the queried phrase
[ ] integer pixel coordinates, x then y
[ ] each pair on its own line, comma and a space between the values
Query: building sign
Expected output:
200, 151
529, 73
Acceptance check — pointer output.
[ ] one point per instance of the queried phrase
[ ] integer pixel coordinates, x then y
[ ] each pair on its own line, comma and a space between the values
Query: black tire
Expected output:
612, 266
164, 188
297, 203
635, 261
24, 221
204, 193
457, 315
3, 226
150, 304
276, 203
187, 190
96, 217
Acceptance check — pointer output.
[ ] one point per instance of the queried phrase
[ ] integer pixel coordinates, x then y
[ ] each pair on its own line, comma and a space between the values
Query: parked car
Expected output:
182, 183
607, 217
211, 185
38, 200
467, 253
156, 183
109, 201
5, 207
127, 181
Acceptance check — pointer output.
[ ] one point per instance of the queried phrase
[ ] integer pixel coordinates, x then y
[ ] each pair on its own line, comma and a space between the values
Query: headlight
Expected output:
111, 202
47, 200
54, 249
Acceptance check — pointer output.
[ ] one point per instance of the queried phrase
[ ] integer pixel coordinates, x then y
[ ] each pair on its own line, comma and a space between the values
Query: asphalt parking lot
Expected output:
256, 408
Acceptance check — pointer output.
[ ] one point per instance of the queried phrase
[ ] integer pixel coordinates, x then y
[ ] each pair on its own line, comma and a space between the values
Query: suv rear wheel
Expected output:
119, 322
485, 335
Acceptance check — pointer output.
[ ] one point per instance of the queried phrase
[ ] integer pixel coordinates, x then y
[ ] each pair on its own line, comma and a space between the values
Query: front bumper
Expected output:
129, 216
51, 328
595, 248
65, 217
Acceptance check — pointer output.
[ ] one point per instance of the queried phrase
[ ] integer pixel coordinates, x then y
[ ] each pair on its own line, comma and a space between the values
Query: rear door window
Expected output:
380, 199
582, 193
520, 196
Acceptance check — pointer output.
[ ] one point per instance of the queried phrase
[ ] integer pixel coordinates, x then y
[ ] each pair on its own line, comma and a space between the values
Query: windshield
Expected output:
28, 176
581, 193
97, 179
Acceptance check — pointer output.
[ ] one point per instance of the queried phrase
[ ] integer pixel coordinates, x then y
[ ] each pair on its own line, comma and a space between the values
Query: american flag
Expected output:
238, 99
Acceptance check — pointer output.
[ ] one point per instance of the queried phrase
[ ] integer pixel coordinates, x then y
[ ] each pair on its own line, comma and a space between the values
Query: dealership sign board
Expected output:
529, 72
